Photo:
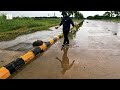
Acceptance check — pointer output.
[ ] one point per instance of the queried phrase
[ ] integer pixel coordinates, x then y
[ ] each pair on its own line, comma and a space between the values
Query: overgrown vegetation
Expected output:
10, 29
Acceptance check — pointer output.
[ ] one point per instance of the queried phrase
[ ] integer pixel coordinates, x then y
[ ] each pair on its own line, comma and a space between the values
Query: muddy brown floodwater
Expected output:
94, 53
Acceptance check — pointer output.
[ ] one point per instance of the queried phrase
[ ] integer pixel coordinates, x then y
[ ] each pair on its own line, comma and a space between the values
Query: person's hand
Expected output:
56, 27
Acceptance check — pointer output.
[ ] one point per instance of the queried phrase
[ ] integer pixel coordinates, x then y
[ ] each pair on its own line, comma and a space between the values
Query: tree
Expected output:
111, 13
70, 13
90, 17
117, 13
75, 14
107, 14
78, 15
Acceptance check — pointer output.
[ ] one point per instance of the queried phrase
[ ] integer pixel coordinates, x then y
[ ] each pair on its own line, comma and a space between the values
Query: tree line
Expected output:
106, 15
74, 14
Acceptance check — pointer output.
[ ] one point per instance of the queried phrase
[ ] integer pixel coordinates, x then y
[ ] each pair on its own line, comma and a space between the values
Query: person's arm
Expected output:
59, 24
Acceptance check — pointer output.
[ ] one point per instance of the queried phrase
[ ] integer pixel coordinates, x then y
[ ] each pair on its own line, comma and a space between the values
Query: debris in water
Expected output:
2, 61
115, 34
38, 43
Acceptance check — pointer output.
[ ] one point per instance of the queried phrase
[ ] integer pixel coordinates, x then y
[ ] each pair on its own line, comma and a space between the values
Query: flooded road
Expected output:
94, 53
30, 38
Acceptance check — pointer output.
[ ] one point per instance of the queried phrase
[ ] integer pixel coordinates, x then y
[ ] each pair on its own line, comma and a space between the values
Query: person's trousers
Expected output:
66, 40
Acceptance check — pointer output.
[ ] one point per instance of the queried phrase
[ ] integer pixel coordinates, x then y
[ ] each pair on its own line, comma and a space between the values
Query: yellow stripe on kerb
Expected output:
43, 47
4, 73
57, 37
28, 56
51, 41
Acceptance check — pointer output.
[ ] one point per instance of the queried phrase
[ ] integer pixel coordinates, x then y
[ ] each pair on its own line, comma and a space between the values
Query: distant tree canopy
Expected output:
117, 13
74, 14
106, 15
2, 16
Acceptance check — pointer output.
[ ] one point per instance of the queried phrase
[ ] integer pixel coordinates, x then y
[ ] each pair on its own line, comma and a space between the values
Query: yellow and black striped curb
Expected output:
13, 66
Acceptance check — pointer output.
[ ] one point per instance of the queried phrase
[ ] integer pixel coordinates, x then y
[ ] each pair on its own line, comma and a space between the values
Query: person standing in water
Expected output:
66, 21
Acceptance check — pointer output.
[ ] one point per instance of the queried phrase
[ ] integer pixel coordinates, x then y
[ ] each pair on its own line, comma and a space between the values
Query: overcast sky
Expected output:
48, 13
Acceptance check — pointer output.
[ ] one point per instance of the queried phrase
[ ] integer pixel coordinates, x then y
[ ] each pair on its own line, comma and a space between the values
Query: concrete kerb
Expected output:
7, 70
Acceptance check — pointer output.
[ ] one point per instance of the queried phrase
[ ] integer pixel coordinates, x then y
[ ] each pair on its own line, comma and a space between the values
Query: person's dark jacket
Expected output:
66, 21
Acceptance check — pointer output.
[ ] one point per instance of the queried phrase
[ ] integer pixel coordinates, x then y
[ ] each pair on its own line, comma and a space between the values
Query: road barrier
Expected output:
7, 70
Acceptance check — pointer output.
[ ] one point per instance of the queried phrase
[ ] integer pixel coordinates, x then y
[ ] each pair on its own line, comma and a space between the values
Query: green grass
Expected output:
115, 20
10, 29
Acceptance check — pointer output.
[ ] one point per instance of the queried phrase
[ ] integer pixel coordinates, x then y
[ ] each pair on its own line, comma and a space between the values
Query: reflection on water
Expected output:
65, 65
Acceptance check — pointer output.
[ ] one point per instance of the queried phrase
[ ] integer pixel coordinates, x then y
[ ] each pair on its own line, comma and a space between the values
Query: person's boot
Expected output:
63, 45
67, 44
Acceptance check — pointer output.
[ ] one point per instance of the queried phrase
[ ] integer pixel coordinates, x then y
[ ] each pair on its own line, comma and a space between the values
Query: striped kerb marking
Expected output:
10, 68
51, 41
15, 65
60, 36
4, 73
43, 47
57, 37
47, 44
36, 50
28, 56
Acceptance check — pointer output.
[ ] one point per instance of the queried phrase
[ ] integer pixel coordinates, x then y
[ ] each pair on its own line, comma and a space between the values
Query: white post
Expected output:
9, 16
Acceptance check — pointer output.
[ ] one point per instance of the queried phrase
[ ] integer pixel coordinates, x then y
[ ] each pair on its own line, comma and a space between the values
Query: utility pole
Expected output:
48, 15
54, 14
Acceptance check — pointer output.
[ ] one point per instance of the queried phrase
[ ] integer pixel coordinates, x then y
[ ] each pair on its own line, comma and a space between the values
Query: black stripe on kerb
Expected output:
15, 65
59, 36
47, 44
55, 39
37, 50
